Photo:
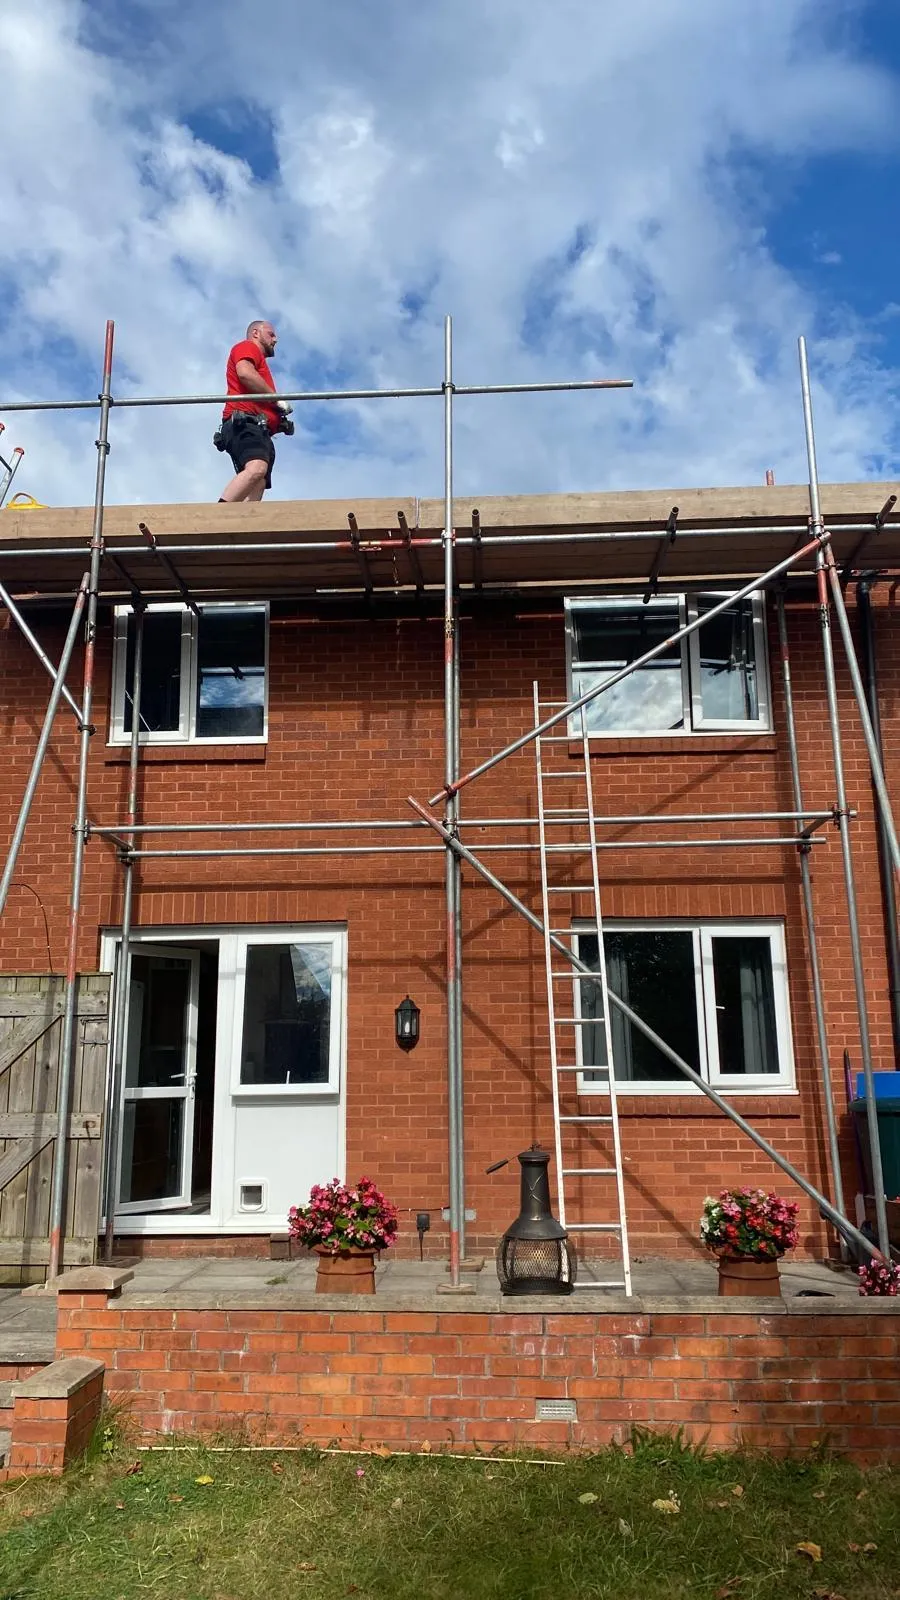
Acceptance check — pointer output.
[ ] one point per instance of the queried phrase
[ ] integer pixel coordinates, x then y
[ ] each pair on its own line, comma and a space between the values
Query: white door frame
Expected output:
220, 1216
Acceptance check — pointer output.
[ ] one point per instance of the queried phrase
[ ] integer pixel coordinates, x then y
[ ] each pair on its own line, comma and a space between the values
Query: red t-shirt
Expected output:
248, 351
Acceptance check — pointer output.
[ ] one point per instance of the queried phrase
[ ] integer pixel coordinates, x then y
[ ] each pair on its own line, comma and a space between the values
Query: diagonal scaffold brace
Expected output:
845, 1228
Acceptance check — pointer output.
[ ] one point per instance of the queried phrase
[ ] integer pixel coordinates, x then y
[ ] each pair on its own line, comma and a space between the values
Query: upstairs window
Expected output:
203, 678
715, 680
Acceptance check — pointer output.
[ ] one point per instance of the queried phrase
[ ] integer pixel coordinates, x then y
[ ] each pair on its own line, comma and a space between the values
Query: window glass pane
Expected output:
729, 688
231, 675
287, 1014
607, 639
745, 1005
160, 673
654, 974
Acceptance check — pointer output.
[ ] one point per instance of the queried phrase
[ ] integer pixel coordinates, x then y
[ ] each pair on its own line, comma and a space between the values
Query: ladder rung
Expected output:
556, 738
565, 814
560, 774
570, 888
581, 1022
551, 705
593, 1227
583, 1069
589, 1172
573, 976
600, 1283
588, 1117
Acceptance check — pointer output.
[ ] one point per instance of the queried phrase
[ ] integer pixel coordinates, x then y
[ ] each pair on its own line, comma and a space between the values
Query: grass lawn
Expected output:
206, 1525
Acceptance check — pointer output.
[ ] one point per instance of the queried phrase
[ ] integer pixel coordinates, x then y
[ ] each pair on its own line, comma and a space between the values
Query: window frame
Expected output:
694, 721
336, 938
186, 733
703, 932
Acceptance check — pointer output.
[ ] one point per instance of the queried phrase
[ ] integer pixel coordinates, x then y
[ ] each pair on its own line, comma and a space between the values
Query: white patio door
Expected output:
157, 1120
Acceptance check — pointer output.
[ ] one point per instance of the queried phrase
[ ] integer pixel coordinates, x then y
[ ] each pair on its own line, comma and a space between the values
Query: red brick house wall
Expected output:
355, 725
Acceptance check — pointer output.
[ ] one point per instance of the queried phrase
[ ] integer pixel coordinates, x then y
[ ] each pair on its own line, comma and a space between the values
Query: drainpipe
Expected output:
888, 891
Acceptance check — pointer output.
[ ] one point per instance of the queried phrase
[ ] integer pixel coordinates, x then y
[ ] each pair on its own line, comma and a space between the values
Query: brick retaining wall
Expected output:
463, 1379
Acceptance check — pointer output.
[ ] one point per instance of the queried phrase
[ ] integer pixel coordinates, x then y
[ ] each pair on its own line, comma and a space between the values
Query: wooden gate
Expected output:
31, 1011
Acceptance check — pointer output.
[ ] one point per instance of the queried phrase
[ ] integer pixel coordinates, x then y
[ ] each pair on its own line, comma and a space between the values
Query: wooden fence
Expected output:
30, 1045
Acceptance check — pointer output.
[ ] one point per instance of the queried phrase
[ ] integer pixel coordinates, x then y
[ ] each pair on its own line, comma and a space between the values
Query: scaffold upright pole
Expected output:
817, 528
803, 850
123, 969
69, 1041
453, 875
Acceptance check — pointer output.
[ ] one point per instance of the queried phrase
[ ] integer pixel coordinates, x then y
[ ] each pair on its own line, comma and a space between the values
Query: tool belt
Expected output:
285, 425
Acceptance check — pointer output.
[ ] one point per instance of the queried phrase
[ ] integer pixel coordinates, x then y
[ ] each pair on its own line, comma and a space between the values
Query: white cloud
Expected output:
566, 178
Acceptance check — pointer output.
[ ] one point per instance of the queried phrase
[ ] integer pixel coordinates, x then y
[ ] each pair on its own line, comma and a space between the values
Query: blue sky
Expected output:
670, 190
835, 221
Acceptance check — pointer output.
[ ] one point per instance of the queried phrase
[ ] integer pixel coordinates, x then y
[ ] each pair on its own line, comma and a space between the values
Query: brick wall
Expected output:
356, 726
457, 1379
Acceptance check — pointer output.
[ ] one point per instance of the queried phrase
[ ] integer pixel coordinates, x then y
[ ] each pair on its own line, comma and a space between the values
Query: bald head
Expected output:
263, 334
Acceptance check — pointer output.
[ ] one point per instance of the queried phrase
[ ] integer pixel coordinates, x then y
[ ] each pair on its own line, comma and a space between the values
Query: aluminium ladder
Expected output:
600, 1206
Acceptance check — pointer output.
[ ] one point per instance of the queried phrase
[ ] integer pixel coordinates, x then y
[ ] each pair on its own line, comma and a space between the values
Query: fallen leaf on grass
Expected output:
827, 1594
204, 1478
587, 1499
175, 1499
806, 1547
277, 1468
625, 1529
307, 1566
737, 1490
669, 1506
818, 1494
120, 1505
862, 1494
728, 1589
426, 1448
396, 1504
136, 1466
383, 1451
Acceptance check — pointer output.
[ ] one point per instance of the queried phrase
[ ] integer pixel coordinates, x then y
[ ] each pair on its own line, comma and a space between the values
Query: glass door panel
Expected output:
160, 1073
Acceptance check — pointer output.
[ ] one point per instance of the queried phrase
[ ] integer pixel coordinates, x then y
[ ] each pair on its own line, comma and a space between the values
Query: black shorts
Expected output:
247, 439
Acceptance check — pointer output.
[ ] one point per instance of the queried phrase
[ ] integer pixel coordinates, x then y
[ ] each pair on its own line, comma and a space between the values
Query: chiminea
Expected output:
534, 1256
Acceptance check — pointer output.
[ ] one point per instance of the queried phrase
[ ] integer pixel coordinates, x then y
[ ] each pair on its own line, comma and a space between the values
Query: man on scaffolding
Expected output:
249, 425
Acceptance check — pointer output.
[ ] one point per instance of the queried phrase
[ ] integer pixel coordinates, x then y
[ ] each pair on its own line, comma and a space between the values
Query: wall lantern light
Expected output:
406, 1024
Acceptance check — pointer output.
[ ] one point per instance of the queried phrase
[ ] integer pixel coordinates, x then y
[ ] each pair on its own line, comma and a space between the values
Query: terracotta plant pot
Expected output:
740, 1275
345, 1271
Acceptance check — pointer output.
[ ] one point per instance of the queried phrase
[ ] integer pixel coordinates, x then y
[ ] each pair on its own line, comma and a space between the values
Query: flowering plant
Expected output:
879, 1277
749, 1224
341, 1218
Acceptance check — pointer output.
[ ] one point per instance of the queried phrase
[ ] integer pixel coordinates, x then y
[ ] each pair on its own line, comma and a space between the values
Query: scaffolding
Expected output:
433, 563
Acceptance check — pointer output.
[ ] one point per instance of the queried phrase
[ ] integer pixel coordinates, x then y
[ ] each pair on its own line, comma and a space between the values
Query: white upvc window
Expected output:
716, 992
204, 674
289, 987
715, 680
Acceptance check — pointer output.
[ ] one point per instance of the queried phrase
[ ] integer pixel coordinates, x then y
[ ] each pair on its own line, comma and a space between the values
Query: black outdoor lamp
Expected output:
406, 1024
